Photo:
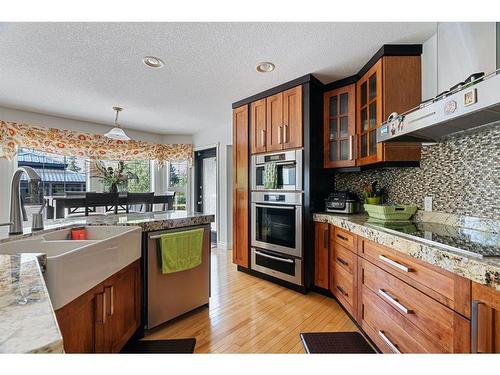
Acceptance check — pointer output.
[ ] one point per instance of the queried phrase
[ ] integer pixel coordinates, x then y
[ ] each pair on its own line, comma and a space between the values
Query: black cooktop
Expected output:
463, 240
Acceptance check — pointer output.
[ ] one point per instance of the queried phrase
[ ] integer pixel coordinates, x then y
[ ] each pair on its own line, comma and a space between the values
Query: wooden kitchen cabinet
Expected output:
485, 321
292, 118
339, 127
321, 254
258, 126
122, 306
276, 122
240, 186
392, 84
104, 318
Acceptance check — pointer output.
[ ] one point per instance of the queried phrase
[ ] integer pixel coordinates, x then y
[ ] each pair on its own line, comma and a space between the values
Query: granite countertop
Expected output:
484, 271
27, 320
149, 221
28, 323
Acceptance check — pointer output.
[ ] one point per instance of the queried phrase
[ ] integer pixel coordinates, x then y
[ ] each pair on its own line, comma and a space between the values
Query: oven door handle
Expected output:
278, 207
286, 162
273, 257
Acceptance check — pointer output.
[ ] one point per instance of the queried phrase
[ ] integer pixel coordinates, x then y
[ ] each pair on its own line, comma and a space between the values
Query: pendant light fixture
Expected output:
117, 132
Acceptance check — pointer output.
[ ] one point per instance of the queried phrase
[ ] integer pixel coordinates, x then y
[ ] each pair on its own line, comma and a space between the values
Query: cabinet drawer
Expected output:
344, 258
343, 287
391, 336
445, 287
438, 322
344, 238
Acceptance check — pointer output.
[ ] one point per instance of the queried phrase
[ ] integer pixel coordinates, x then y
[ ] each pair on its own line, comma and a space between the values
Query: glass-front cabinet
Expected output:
369, 89
340, 127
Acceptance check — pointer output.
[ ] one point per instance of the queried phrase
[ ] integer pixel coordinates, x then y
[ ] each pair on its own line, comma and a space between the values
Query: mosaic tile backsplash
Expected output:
461, 174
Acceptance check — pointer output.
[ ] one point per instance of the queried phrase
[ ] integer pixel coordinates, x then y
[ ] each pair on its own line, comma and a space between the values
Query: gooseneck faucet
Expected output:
17, 211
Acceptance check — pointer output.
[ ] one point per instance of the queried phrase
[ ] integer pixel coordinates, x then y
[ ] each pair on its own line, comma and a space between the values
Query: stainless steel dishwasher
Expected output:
171, 295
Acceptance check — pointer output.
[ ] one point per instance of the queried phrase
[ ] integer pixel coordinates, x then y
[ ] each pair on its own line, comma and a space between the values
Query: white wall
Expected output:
6, 167
222, 136
464, 48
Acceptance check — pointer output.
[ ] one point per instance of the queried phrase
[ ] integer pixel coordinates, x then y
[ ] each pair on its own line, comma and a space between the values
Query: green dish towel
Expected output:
270, 176
181, 251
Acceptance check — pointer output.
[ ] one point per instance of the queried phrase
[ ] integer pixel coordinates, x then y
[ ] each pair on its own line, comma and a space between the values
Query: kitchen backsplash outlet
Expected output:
461, 174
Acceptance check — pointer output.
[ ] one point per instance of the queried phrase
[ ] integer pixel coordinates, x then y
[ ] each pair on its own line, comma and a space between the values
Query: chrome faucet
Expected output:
17, 211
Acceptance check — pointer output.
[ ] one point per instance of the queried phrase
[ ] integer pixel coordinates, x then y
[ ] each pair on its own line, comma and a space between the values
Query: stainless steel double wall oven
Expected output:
277, 217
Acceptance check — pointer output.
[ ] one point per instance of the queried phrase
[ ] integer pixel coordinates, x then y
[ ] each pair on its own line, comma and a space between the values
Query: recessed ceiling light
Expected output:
153, 62
265, 67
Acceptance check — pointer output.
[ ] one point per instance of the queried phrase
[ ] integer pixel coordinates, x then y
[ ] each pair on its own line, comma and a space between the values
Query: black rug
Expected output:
177, 346
335, 343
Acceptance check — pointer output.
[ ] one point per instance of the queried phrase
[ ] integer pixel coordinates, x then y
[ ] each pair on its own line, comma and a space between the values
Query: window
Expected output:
63, 174
177, 181
59, 174
139, 176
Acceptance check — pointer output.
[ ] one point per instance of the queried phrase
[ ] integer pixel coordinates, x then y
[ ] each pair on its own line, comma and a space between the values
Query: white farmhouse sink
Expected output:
73, 267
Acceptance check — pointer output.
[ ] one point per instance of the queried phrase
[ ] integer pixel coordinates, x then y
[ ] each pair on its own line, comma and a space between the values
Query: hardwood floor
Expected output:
250, 315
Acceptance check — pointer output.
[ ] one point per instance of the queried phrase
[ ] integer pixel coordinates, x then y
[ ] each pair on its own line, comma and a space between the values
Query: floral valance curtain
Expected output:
90, 146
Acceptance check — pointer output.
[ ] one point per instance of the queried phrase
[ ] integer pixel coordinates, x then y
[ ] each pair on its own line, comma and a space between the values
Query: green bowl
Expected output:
390, 212
373, 200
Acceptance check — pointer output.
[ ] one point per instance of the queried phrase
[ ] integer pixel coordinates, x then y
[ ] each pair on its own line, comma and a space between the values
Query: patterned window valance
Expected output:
90, 146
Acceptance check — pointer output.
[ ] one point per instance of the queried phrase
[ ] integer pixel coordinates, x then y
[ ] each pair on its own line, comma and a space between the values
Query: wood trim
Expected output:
321, 255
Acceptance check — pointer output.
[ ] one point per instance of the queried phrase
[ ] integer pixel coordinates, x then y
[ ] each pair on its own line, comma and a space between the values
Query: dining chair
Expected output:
107, 200
140, 199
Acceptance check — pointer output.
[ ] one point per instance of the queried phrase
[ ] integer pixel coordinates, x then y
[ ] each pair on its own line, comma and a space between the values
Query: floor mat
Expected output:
177, 346
335, 343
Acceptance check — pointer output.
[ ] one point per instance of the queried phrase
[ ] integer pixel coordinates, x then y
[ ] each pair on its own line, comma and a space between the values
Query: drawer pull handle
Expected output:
394, 301
342, 261
343, 238
474, 326
389, 343
342, 291
394, 263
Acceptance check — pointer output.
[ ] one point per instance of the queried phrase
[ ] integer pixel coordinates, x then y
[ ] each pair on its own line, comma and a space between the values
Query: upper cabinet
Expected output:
392, 84
339, 127
276, 122
352, 113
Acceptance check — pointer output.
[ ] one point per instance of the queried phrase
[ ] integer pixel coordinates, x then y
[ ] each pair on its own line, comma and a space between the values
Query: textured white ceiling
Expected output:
81, 70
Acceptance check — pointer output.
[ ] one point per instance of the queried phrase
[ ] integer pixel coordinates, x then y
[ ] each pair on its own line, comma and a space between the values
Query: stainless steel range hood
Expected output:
464, 108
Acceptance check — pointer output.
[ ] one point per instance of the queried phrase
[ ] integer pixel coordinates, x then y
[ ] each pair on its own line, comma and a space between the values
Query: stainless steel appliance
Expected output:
469, 104
289, 165
171, 295
342, 202
276, 221
278, 265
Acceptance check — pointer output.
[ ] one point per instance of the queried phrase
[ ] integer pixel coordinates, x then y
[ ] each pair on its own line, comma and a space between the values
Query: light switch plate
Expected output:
428, 204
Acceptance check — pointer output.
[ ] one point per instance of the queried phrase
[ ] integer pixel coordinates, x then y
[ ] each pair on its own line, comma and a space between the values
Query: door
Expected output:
274, 122
321, 254
292, 118
369, 104
82, 322
123, 313
277, 228
339, 129
205, 174
485, 320
258, 126
240, 186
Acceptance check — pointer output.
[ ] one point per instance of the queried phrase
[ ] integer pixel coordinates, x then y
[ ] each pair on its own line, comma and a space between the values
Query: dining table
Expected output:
78, 201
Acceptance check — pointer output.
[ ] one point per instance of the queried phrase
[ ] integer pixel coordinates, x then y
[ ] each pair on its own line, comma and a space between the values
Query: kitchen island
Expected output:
28, 323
